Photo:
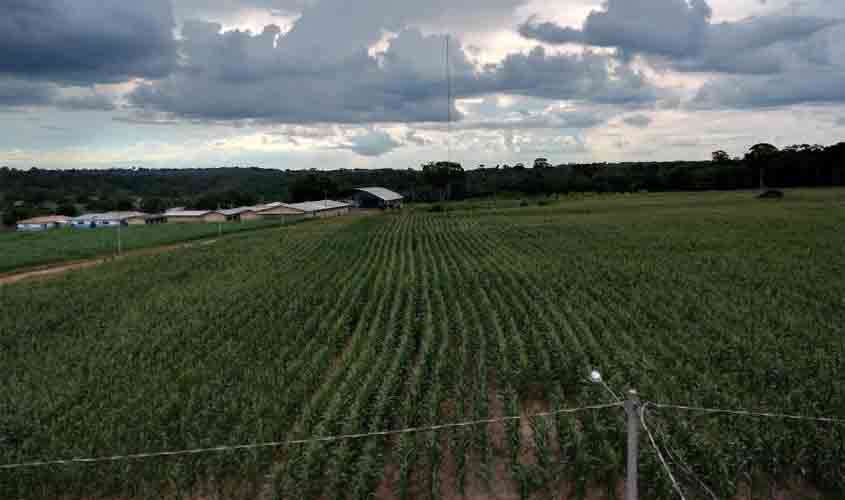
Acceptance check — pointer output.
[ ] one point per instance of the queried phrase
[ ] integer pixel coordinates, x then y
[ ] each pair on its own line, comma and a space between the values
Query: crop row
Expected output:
374, 323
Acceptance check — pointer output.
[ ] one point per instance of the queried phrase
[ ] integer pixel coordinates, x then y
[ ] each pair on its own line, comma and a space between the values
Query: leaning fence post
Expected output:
632, 404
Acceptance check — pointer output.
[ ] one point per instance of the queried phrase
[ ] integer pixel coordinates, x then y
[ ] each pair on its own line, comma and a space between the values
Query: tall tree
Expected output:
760, 156
441, 175
542, 163
721, 157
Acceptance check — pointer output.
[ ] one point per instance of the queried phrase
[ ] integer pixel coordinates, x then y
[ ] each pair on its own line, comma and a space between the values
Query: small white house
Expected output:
108, 219
43, 223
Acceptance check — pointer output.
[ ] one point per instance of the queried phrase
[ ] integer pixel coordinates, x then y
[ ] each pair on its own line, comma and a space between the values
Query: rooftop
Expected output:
272, 206
267, 206
236, 211
109, 216
384, 194
47, 219
319, 206
188, 213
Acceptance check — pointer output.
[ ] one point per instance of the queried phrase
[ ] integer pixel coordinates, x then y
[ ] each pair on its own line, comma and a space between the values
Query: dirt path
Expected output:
52, 270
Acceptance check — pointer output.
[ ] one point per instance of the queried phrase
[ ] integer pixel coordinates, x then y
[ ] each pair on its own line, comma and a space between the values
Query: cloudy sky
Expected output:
357, 84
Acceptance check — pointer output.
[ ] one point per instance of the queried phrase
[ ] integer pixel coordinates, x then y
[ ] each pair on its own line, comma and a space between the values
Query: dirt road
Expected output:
53, 270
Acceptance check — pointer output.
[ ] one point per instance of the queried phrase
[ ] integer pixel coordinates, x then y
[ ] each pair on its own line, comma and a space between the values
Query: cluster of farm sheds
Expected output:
363, 198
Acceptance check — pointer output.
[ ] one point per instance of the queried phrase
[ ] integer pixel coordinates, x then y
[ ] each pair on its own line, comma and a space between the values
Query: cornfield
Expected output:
24, 250
364, 324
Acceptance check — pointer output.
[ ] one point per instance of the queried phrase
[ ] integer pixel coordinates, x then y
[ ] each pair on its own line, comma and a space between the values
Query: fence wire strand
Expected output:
678, 460
659, 453
745, 413
279, 444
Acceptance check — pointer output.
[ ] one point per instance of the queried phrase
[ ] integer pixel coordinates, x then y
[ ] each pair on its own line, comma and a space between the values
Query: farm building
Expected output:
109, 219
376, 197
240, 214
83, 222
323, 208
153, 219
43, 223
273, 210
194, 216
137, 220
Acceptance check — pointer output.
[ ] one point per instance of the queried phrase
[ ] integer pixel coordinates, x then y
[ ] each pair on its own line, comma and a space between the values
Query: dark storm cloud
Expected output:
588, 76
17, 93
811, 72
795, 87
235, 76
85, 41
551, 33
682, 32
667, 27
14, 93
239, 75
88, 102
321, 70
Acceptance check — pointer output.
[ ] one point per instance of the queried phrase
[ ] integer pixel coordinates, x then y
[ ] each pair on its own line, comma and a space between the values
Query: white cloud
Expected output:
339, 83
682, 32
239, 75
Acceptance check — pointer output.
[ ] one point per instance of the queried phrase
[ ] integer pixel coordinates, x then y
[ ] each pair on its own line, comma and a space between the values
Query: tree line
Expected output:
25, 193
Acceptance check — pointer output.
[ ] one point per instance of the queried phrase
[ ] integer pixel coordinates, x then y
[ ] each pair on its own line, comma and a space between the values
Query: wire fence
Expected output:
666, 459
431, 428
715, 412
666, 467
324, 439
746, 413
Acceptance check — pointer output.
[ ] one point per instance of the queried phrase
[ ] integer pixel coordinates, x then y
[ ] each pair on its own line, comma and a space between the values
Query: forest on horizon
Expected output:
27, 193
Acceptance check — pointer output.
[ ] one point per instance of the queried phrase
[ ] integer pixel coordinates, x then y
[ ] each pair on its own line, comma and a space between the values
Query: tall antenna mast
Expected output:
448, 104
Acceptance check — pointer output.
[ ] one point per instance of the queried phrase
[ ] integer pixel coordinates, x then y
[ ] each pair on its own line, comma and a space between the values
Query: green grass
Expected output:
368, 323
25, 250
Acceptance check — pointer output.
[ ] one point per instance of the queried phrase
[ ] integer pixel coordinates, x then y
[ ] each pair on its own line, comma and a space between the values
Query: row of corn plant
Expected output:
322, 417
347, 467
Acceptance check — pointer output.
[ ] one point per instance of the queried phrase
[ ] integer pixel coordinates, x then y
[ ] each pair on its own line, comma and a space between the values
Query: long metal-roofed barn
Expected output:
377, 197
113, 219
194, 216
43, 223
240, 214
277, 210
322, 208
